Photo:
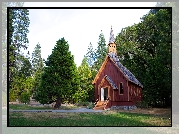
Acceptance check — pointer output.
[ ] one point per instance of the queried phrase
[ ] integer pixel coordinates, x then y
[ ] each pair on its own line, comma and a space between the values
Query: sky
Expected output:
79, 26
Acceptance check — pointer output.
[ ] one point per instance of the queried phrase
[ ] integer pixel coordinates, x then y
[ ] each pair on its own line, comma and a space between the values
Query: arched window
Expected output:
121, 89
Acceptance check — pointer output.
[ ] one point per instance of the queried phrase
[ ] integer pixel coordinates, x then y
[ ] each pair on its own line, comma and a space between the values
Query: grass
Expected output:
107, 118
28, 107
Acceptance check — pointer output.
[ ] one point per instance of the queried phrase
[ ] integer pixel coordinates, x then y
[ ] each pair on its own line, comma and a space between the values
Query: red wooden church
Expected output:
115, 86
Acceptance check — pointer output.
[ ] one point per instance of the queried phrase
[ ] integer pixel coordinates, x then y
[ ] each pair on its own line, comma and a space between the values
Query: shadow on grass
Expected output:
86, 119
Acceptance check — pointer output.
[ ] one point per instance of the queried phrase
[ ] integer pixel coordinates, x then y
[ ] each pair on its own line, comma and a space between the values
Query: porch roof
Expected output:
111, 82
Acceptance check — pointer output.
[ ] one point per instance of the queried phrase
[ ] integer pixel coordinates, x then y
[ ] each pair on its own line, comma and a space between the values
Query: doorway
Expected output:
104, 94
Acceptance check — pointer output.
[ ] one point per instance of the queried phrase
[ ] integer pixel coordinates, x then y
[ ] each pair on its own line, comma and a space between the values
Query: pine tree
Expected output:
37, 61
60, 77
90, 55
101, 52
18, 29
86, 91
37, 66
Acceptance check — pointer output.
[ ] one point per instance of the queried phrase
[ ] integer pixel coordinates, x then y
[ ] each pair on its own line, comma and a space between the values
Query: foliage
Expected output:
60, 77
145, 49
25, 97
91, 105
18, 29
22, 80
90, 55
37, 66
12, 96
175, 50
100, 52
37, 61
86, 91
82, 103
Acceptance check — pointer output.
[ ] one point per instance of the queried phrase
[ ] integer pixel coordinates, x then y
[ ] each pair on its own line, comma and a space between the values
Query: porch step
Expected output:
99, 105
99, 108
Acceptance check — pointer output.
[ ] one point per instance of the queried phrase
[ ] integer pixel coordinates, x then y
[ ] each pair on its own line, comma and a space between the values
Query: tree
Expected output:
101, 52
18, 29
145, 49
22, 78
37, 66
175, 49
90, 55
60, 77
37, 61
86, 91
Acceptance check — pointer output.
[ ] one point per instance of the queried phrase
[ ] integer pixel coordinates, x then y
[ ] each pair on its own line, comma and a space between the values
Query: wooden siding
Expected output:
135, 92
111, 70
132, 92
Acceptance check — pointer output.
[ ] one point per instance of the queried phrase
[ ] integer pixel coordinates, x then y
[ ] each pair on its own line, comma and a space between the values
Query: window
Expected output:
121, 89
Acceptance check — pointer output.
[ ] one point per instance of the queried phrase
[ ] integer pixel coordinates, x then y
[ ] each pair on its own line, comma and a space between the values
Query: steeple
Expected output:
111, 38
112, 44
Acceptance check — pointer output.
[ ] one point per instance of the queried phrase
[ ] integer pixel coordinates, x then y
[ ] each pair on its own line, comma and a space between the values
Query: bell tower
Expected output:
112, 44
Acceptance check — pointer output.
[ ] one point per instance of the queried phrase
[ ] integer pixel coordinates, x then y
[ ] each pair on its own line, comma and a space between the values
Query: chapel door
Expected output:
102, 94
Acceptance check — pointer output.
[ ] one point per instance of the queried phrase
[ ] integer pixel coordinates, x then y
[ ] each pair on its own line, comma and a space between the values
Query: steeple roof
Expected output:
111, 38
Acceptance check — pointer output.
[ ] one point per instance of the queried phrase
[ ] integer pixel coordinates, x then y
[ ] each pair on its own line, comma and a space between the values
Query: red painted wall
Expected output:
112, 71
135, 92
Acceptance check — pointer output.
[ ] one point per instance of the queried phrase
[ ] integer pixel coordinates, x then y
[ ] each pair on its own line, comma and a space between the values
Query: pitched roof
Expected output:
111, 82
111, 38
126, 72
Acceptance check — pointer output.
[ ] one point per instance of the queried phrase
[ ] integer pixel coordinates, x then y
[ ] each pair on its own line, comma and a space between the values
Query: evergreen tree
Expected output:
60, 77
18, 29
37, 66
90, 55
37, 61
22, 78
146, 51
101, 52
86, 91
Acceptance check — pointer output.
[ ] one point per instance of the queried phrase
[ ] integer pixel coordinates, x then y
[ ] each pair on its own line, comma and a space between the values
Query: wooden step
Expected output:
99, 105
99, 108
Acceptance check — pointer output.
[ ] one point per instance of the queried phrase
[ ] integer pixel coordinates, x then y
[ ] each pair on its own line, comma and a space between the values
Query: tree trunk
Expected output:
58, 103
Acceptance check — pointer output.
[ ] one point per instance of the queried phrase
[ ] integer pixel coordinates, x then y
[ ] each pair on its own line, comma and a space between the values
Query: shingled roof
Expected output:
111, 82
126, 72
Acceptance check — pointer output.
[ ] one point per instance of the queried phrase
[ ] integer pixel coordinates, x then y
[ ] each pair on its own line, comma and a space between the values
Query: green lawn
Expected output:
108, 118
27, 107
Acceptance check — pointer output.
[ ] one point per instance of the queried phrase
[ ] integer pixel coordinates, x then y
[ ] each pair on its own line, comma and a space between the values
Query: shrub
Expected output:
12, 96
82, 103
24, 97
91, 105
142, 104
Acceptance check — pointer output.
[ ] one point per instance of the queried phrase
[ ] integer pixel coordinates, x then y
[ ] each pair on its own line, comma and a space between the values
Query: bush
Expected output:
142, 104
12, 96
25, 97
91, 105
82, 104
